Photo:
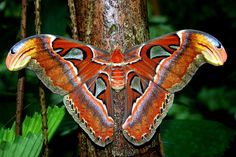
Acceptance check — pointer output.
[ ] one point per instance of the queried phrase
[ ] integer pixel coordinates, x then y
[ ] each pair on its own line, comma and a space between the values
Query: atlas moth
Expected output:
87, 77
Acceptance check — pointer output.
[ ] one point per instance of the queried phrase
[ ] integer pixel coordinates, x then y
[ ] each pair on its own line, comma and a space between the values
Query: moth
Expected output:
87, 77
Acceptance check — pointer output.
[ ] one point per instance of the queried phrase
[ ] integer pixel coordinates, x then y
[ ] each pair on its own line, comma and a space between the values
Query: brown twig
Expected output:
21, 74
37, 17
20, 100
41, 86
44, 119
74, 29
23, 19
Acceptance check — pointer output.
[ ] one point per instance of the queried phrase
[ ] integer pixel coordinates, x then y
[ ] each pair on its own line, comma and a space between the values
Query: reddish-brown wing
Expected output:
72, 69
154, 76
147, 102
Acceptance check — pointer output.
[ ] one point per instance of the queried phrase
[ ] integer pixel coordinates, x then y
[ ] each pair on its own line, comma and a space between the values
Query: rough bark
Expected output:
106, 24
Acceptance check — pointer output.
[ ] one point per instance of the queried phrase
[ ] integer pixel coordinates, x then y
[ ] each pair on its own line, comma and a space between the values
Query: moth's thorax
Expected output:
117, 71
117, 56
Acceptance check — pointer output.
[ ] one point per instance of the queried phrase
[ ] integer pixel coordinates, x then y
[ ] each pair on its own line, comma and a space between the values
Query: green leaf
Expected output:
55, 116
28, 146
7, 134
34, 124
190, 138
30, 143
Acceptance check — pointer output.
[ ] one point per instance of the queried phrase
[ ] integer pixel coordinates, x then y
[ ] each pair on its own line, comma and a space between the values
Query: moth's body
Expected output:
85, 75
118, 77
117, 70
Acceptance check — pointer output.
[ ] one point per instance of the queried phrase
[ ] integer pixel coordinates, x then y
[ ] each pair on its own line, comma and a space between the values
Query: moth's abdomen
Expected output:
117, 78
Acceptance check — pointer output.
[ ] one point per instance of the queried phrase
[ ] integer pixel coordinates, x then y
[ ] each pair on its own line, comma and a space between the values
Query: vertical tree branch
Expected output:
74, 29
41, 86
23, 19
21, 74
37, 16
44, 119
106, 24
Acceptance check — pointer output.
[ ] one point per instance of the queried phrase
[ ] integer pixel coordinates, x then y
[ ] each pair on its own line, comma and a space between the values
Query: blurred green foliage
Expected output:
189, 138
205, 105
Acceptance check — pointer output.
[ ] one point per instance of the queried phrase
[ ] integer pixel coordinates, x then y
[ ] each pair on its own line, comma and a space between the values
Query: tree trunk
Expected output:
105, 24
